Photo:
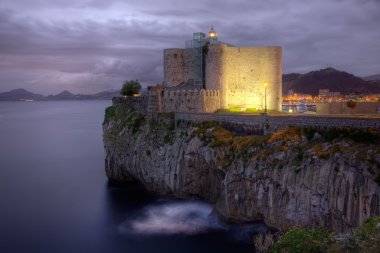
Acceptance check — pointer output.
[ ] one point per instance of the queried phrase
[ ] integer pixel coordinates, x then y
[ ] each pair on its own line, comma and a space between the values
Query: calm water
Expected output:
55, 196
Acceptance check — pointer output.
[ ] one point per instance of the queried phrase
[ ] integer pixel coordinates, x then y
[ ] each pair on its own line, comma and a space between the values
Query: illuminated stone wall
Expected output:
240, 72
341, 108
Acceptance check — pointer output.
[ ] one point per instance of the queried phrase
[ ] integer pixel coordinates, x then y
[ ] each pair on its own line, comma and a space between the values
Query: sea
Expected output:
56, 198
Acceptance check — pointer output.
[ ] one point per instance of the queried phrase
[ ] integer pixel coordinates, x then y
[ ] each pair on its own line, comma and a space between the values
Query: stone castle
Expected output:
208, 75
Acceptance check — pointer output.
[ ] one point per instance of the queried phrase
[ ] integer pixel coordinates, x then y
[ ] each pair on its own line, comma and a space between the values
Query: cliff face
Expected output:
285, 179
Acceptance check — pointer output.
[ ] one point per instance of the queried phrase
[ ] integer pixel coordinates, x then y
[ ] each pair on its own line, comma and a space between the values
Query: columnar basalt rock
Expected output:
284, 182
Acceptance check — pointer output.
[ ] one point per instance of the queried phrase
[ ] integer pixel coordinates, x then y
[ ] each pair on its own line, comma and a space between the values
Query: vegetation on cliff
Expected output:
130, 88
298, 240
300, 143
109, 115
123, 118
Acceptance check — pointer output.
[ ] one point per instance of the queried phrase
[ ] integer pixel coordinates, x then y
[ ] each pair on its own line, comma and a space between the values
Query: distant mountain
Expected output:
288, 79
22, 94
372, 78
109, 94
328, 78
64, 95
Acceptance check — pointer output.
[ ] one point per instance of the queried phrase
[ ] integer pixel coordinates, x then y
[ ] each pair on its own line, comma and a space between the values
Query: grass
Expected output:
238, 110
124, 118
358, 135
232, 147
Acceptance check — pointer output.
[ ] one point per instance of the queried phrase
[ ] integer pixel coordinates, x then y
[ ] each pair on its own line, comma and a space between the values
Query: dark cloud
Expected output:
92, 45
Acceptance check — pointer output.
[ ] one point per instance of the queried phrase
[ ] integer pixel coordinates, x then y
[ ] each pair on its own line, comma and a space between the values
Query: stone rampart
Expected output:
278, 122
342, 108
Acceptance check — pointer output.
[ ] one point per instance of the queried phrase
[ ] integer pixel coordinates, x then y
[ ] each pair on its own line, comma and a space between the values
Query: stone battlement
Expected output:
197, 100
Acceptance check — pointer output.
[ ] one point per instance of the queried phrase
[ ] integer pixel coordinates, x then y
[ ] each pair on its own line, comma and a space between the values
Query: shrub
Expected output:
299, 240
368, 228
130, 88
365, 239
213, 134
286, 134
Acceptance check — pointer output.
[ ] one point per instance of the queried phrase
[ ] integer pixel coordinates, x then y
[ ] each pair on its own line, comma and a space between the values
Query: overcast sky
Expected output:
87, 46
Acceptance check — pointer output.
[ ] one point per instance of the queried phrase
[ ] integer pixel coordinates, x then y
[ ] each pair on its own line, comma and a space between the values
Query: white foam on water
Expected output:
190, 217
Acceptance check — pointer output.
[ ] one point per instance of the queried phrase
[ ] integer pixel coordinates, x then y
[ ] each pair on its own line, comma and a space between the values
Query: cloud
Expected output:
91, 45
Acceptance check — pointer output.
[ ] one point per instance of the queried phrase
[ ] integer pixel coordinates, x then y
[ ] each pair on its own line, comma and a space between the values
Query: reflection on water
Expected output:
56, 198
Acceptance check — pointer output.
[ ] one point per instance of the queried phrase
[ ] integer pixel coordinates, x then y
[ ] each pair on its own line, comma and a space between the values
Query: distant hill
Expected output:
22, 94
288, 80
372, 78
328, 78
64, 95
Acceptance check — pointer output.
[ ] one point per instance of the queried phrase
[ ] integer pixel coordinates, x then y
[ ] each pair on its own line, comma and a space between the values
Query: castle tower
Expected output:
212, 36
240, 74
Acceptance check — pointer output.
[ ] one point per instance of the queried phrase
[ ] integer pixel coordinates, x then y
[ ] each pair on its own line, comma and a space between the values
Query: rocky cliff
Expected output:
296, 176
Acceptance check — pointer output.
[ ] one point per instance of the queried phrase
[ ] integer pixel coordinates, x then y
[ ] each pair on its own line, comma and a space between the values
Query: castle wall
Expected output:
181, 65
191, 101
215, 72
341, 108
155, 100
279, 122
174, 66
192, 64
240, 72
211, 100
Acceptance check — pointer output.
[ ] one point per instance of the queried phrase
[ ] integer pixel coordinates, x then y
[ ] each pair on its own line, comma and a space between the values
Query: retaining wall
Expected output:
277, 122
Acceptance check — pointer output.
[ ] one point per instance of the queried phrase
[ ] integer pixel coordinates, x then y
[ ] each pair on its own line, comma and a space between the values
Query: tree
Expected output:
351, 104
130, 88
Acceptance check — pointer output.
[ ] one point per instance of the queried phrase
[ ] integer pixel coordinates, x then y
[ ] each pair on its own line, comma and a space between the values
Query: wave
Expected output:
180, 217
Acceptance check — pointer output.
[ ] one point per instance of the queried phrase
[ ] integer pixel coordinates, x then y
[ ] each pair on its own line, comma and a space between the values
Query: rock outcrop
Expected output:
291, 177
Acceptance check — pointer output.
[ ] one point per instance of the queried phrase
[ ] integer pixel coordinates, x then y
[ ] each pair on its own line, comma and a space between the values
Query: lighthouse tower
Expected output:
212, 36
